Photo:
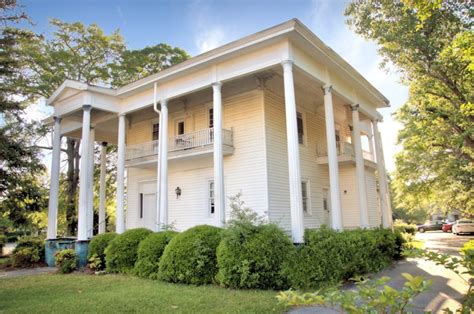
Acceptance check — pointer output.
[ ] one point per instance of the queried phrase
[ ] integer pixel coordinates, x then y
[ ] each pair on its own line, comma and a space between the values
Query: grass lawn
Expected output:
80, 293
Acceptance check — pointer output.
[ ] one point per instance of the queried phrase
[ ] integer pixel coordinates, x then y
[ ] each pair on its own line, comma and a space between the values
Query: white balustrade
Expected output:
187, 141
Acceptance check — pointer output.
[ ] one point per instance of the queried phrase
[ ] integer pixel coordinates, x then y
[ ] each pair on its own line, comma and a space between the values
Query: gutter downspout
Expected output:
158, 173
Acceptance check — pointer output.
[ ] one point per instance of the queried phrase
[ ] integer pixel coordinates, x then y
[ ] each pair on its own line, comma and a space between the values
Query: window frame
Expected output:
302, 116
211, 201
307, 184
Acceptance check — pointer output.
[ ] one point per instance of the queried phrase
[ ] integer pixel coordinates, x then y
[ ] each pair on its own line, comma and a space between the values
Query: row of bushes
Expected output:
404, 227
246, 255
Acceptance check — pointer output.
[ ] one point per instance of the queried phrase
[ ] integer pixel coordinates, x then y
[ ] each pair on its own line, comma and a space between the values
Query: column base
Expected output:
82, 248
54, 245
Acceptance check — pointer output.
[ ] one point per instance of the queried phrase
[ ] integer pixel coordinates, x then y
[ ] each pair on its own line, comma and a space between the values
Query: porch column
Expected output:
360, 168
54, 185
102, 187
296, 198
120, 216
90, 194
83, 174
219, 192
163, 158
383, 185
332, 160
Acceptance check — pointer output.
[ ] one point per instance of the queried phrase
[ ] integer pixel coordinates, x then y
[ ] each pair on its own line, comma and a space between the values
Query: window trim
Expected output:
208, 197
303, 120
308, 196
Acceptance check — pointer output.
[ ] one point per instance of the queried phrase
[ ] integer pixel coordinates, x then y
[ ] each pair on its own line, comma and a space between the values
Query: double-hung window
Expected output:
211, 197
305, 196
300, 125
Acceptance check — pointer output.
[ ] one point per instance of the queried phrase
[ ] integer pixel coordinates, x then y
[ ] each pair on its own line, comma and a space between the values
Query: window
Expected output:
180, 127
141, 205
211, 118
304, 194
211, 197
299, 122
156, 131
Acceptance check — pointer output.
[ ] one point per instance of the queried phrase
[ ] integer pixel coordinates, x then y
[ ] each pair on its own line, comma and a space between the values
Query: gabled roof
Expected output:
76, 85
293, 26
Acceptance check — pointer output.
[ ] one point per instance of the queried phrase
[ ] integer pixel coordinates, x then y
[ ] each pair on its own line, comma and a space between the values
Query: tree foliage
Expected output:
431, 44
21, 189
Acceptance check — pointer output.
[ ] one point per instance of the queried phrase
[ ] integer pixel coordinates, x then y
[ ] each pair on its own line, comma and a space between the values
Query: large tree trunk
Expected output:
72, 180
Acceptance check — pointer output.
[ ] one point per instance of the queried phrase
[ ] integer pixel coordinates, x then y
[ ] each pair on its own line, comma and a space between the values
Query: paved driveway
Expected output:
447, 288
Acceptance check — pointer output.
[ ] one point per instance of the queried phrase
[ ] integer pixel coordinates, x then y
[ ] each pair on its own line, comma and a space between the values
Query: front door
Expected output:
147, 205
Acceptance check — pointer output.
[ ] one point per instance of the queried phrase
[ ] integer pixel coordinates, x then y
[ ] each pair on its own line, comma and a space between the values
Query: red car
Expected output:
447, 227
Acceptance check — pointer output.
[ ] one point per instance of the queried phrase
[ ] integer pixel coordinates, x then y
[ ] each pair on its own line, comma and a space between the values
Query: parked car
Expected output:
447, 227
463, 226
430, 226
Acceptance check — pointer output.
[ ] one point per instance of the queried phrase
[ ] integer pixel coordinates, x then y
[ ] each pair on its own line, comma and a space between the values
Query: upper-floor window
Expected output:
156, 131
180, 127
211, 197
299, 121
304, 194
211, 118
141, 205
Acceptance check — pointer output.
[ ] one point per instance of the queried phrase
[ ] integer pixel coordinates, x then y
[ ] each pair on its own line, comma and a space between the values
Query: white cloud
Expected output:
209, 38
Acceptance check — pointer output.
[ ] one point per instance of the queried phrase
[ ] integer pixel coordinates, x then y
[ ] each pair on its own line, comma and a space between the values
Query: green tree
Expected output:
21, 190
136, 64
431, 44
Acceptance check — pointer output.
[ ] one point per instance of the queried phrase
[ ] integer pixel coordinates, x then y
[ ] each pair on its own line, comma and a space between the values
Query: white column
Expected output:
83, 174
102, 187
296, 198
383, 185
120, 215
90, 194
164, 164
158, 178
54, 185
219, 191
360, 168
332, 160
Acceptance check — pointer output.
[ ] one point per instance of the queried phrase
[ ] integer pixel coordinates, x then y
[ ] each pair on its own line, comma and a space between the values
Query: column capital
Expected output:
355, 107
327, 89
57, 119
122, 114
287, 65
216, 85
86, 107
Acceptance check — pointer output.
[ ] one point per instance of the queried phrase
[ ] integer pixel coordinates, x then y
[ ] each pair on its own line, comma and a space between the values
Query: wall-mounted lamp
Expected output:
178, 192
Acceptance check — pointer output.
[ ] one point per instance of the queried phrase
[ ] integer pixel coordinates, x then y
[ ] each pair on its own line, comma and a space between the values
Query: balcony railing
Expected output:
180, 143
344, 149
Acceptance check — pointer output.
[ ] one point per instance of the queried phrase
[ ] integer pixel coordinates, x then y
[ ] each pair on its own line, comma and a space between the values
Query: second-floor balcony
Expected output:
345, 154
189, 144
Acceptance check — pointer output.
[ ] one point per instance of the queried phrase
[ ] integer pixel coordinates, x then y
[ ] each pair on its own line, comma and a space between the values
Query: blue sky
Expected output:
197, 26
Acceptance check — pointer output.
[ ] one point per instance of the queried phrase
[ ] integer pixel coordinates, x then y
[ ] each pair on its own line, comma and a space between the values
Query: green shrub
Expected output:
401, 226
328, 257
190, 257
25, 257
3, 241
29, 251
121, 253
150, 251
66, 260
97, 248
252, 257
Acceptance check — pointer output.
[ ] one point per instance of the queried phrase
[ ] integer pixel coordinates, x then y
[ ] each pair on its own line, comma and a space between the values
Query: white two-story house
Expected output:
276, 116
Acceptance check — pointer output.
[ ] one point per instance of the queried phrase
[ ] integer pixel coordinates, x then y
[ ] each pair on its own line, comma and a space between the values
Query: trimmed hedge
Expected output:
66, 261
328, 257
252, 257
404, 227
150, 251
190, 257
98, 245
29, 251
121, 253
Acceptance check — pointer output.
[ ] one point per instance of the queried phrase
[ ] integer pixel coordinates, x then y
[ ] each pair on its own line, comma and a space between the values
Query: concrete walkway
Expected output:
26, 272
447, 288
